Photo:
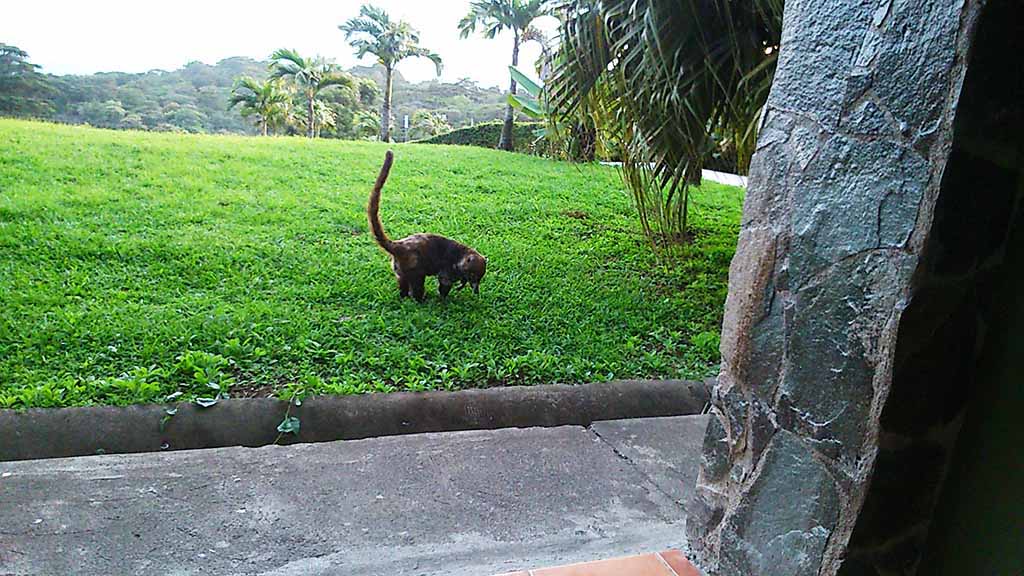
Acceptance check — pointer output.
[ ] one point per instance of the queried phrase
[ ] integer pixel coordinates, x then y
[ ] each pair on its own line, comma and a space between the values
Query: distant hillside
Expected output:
194, 98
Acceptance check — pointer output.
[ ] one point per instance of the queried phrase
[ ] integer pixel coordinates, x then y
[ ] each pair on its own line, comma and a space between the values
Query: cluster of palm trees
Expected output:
271, 102
373, 33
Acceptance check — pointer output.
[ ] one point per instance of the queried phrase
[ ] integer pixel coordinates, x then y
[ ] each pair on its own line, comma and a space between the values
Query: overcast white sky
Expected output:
82, 37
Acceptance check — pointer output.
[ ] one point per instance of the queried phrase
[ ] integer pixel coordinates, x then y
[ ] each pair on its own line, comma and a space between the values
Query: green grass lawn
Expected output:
134, 266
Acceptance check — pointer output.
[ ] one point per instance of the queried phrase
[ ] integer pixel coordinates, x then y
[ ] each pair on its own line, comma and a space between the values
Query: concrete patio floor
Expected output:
457, 503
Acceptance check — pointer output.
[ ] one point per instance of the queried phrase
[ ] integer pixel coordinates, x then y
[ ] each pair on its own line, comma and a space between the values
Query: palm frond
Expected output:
674, 78
374, 32
336, 79
425, 53
287, 57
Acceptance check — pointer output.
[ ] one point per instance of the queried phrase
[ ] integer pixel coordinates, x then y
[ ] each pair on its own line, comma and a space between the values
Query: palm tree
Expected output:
267, 101
495, 16
326, 116
426, 124
311, 75
671, 80
373, 32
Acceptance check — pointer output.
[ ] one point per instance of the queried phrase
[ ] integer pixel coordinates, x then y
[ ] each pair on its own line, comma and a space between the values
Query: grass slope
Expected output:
134, 266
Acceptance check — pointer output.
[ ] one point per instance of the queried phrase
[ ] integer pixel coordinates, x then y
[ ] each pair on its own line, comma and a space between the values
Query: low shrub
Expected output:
487, 135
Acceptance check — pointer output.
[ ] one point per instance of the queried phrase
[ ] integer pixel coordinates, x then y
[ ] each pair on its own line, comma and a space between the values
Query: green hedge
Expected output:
486, 135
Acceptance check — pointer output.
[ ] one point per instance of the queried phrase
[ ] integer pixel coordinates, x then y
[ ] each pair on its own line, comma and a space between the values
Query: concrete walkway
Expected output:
458, 503
724, 178
712, 175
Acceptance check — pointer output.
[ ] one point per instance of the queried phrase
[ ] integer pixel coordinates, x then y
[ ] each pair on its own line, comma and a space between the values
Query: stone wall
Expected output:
843, 190
953, 340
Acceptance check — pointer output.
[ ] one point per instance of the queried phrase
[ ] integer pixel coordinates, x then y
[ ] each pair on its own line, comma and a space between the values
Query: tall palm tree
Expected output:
671, 79
267, 101
311, 75
495, 16
373, 32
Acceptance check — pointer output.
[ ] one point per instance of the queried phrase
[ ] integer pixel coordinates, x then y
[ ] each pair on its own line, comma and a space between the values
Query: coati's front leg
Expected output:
444, 286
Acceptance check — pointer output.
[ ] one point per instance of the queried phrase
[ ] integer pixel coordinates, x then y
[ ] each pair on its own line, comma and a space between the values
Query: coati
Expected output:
415, 257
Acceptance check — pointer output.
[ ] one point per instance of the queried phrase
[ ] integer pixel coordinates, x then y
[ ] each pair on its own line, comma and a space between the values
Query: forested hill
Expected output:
195, 98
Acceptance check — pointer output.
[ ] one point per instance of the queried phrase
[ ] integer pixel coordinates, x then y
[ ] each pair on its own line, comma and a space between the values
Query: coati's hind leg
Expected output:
416, 284
404, 289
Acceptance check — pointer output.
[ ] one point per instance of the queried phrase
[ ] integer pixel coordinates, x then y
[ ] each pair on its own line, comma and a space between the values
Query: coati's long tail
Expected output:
373, 208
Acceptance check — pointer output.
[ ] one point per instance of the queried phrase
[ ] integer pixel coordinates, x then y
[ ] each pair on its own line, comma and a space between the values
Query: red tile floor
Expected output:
668, 563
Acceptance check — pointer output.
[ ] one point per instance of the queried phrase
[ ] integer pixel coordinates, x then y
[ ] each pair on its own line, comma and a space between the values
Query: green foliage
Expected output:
290, 425
570, 139
425, 124
109, 114
705, 345
673, 81
366, 125
24, 92
533, 103
487, 134
202, 372
143, 267
196, 98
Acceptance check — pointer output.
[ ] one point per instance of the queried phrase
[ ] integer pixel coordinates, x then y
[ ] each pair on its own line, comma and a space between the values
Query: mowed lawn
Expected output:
136, 266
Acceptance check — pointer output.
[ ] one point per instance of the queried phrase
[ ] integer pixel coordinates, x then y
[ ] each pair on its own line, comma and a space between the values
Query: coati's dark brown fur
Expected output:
415, 257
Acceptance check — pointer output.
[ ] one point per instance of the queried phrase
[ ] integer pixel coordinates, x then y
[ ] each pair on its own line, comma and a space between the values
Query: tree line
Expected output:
290, 94
197, 98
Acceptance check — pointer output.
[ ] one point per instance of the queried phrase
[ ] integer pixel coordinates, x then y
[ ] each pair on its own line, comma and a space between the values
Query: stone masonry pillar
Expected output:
843, 187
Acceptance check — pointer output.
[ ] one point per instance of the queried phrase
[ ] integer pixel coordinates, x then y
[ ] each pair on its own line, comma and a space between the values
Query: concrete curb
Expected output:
63, 432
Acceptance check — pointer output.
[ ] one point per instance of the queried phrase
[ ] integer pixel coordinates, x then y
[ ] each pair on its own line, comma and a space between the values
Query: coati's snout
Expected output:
472, 268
